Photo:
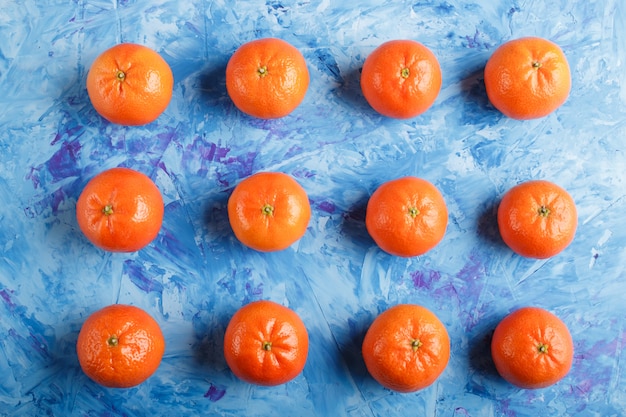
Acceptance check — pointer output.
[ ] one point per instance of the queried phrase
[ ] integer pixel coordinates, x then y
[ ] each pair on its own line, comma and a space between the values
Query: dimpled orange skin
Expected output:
527, 78
406, 348
266, 343
269, 211
120, 346
130, 84
537, 219
267, 78
407, 216
532, 348
120, 210
401, 79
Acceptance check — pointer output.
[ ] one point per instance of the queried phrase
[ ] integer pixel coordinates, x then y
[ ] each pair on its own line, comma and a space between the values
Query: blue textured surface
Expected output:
196, 274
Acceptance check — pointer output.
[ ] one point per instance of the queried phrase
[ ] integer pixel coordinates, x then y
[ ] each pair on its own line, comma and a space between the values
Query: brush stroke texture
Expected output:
195, 274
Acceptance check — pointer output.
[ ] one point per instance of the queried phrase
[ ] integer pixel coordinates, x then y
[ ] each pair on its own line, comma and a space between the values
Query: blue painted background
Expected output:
195, 275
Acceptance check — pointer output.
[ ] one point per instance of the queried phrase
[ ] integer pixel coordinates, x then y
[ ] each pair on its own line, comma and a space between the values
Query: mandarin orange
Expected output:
266, 343
528, 78
532, 348
130, 84
406, 348
401, 79
267, 78
406, 216
120, 346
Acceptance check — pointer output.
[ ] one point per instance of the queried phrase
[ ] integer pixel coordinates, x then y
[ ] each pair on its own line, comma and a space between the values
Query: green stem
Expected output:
112, 341
416, 344
544, 211
107, 210
267, 209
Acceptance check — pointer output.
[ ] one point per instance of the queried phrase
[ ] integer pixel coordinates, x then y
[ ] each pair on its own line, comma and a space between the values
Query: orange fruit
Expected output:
537, 219
266, 343
406, 216
401, 79
120, 346
130, 84
120, 210
532, 348
406, 348
267, 78
527, 78
269, 211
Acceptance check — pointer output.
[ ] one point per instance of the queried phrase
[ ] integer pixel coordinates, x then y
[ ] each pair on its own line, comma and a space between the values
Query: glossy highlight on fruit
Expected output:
266, 343
120, 346
532, 348
527, 78
120, 210
401, 79
406, 348
537, 219
130, 84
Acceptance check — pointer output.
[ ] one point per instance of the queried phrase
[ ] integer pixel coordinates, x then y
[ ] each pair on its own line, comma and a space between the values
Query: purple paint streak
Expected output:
215, 393
141, 278
425, 280
326, 206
